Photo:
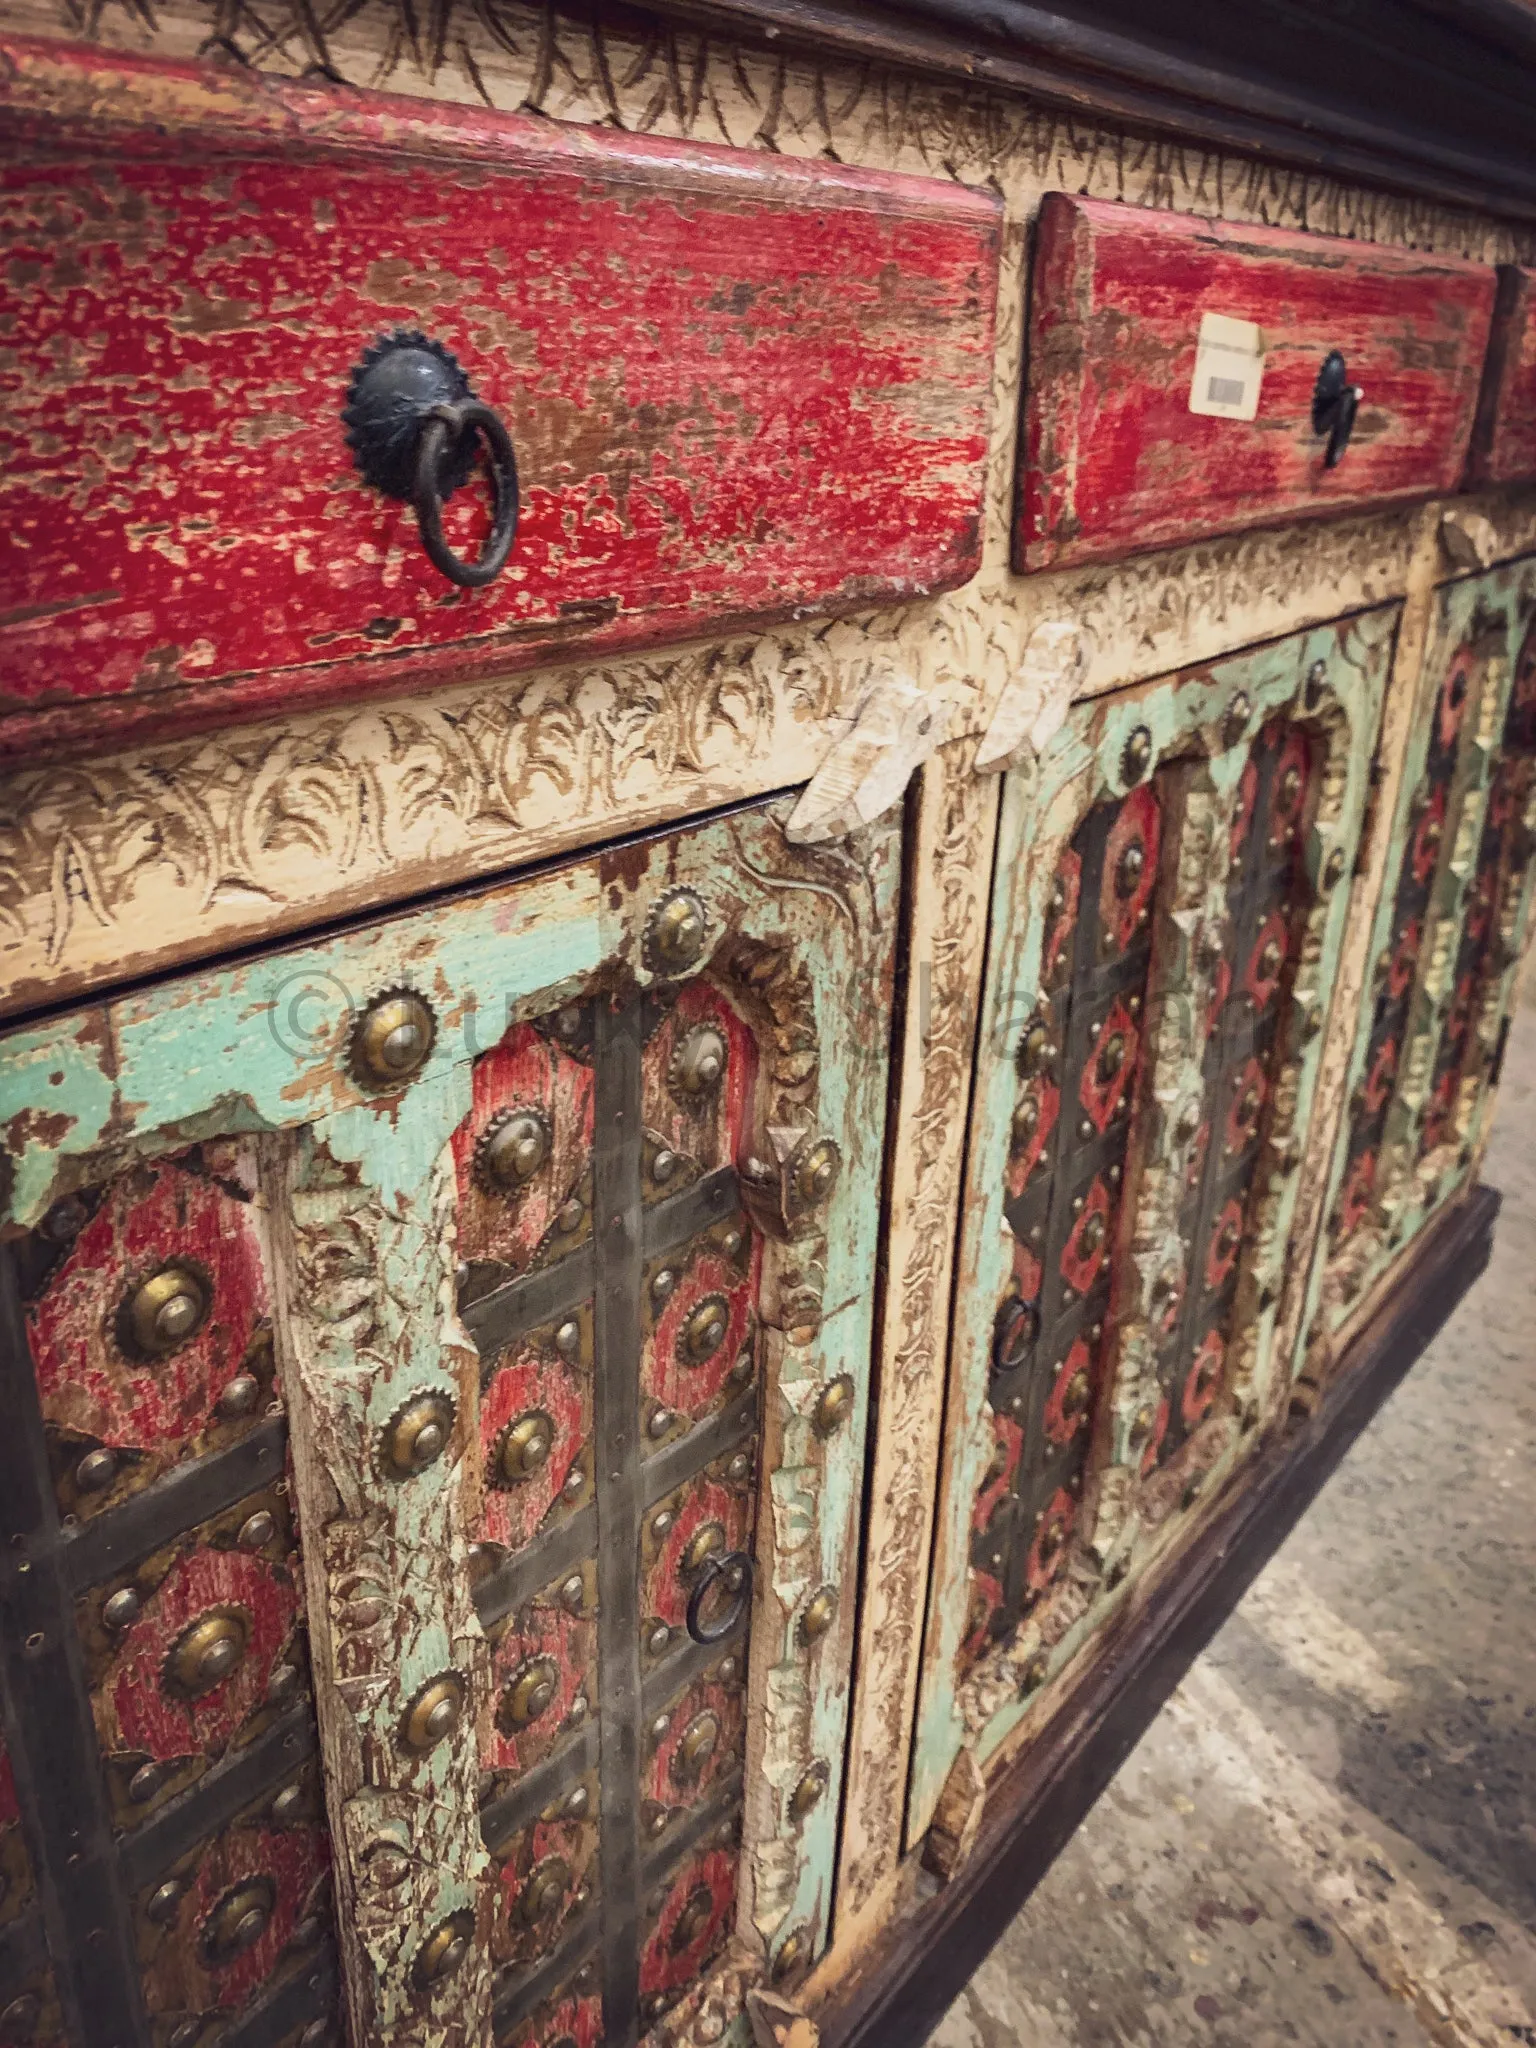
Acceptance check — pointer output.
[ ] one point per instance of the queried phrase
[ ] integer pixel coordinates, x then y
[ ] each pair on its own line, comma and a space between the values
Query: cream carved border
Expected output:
167, 853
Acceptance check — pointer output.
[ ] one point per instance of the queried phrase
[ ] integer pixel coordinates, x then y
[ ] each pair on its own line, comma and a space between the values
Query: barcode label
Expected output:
1229, 367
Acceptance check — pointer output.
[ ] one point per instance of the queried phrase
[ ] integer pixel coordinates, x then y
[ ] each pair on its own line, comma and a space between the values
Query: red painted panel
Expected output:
198, 1210
514, 1230
546, 1640
1114, 462
543, 1880
289, 1868
692, 1925
738, 385
667, 1776
1504, 443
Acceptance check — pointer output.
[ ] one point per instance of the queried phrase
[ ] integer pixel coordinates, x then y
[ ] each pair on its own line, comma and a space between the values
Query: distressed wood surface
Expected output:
1114, 462
1486, 627
953, 824
1504, 439
735, 387
1128, 1521
366, 1191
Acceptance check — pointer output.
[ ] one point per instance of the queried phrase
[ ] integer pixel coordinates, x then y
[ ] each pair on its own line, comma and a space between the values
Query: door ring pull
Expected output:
718, 1565
415, 426
443, 435
1335, 402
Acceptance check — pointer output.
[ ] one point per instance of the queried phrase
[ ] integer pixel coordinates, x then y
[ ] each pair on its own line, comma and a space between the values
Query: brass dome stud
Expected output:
238, 1920
530, 1693
514, 1144
698, 1063
416, 1435
834, 1405
392, 1040
1129, 869
820, 1613
703, 1543
695, 1746
807, 1794
163, 1312
434, 1712
1036, 1048
121, 1608
794, 1952
675, 933
1136, 756
96, 1470
698, 1910
704, 1330
444, 1951
545, 1891
206, 1652
524, 1447
814, 1170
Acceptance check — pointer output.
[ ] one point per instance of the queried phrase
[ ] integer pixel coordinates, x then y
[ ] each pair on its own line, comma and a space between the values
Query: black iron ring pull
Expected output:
415, 427
720, 1564
441, 437
1335, 402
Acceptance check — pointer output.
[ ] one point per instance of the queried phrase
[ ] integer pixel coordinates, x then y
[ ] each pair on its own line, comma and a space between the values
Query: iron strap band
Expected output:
55, 1756
617, 1235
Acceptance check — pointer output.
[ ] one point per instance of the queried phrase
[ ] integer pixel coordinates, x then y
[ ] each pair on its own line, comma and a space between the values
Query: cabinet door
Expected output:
1167, 906
528, 1210
1450, 927
164, 1776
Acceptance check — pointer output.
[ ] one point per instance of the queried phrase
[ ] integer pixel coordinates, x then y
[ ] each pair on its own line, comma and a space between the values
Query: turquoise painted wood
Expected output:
1171, 762
360, 1187
1448, 932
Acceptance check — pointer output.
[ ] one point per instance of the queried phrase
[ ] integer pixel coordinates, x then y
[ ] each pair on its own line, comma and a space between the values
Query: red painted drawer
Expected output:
1504, 442
1114, 462
738, 387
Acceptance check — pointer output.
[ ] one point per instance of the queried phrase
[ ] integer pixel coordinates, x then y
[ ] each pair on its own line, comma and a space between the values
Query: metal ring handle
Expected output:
1335, 402
444, 427
714, 1567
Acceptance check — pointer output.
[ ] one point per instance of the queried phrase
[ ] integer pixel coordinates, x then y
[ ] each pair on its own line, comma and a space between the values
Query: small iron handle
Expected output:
1335, 402
442, 436
415, 427
716, 1566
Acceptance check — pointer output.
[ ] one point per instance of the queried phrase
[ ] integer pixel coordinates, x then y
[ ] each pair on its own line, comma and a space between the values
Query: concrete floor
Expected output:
1328, 1837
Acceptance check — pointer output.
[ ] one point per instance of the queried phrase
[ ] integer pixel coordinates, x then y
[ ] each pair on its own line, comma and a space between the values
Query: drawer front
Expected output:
1171, 894
552, 1187
1114, 459
1451, 925
736, 387
163, 1730
1504, 443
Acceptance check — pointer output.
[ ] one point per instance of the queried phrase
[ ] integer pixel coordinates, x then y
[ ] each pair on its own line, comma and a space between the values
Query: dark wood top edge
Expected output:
1099, 71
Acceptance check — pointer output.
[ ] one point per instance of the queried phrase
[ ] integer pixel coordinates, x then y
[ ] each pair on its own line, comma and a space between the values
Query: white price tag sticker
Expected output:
1229, 368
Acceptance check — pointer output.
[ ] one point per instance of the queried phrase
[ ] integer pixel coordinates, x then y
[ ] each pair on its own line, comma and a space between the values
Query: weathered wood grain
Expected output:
736, 387
1504, 438
953, 823
1114, 462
